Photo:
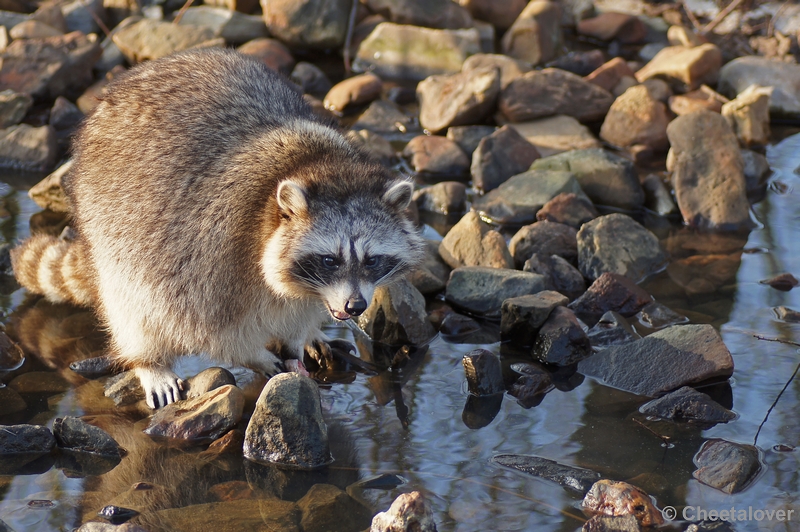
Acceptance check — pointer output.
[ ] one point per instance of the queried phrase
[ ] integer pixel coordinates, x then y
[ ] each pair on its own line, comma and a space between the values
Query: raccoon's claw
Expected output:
342, 345
320, 351
161, 387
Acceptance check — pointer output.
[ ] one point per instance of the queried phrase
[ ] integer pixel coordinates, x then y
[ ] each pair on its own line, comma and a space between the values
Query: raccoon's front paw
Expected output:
161, 386
322, 350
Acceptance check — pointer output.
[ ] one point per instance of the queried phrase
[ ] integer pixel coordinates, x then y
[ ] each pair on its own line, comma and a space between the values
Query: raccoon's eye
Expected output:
372, 262
329, 262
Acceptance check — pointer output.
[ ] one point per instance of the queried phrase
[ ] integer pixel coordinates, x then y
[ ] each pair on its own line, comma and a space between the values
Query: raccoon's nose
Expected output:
355, 306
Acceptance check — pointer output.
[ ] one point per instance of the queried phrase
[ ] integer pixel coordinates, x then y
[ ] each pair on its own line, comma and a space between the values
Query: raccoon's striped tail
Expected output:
55, 268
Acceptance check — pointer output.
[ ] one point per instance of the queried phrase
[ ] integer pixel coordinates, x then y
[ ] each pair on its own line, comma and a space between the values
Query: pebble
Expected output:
556, 134
610, 291
409, 512
687, 404
683, 68
783, 78
704, 98
615, 498
483, 372
386, 118
233, 26
727, 466
207, 380
74, 434
580, 63
784, 313
606, 523
611, 329
522, 317
657, 316
440, 14
680, 36
149, 39
561, 340
704, 274
25, 147
431, 276
783, 282
501, 155
469, 137
13, 107
375, 144
310, 78
204, 417
559, 274
447, 197
49, 193
609, 74
352, 92
608, 26
481, 290
657, 196
748, 115
291, 23
472, 242
436, 157
11, 354
535, 36
65, 115
325, 504
11, 402
544, 238
272, 52
637, 117
457, 326
457, 99
397, 316
567, 209
574, 479
531, 387
124, 389
510, 68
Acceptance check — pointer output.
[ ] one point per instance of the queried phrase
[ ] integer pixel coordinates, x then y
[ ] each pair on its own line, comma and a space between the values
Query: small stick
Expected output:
771, 25
351, 22
690, 15
663, 438
181, 11
775, 402
721, 16
780, 341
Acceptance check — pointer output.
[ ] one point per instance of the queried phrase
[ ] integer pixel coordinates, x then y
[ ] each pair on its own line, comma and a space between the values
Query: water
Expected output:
412, 424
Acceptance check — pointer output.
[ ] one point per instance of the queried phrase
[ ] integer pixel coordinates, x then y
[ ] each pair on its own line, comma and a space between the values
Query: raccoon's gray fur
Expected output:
215, 213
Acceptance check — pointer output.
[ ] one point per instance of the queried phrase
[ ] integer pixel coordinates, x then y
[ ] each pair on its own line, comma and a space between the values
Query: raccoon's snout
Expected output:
355, 306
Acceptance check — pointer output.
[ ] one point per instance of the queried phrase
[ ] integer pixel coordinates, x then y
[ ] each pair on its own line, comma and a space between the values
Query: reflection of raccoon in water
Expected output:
216, 214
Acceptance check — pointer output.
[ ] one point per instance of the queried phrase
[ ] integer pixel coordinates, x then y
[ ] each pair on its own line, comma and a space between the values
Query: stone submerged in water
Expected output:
409, 512
726, 466
325, 506
575, 479
613, 498
687, 404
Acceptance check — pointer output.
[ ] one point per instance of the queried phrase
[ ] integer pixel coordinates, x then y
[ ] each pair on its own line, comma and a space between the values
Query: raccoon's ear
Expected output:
292, 198
399, 194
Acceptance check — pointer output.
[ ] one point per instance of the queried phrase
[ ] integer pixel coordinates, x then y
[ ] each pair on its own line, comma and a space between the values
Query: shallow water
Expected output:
412, 423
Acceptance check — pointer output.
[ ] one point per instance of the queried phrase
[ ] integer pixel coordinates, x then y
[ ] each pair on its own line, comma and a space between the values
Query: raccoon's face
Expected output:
340, 252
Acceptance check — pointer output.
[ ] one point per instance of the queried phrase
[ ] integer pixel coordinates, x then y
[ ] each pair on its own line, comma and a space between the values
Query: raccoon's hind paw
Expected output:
161, 386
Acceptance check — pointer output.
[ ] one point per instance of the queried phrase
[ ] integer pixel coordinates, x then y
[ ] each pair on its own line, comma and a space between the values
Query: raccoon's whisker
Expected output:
313, 280
397, 267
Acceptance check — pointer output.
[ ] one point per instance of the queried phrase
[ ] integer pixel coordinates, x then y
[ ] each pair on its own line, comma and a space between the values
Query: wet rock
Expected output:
748, 116
657, 316
234, 490
76, 435
636, 118
27, 439
501, 16
687, 404
567, 209
783, 78
499, 156
13, 107
233, 26
436, 156
25, 147
610, 291
431, 276
614, 498
517, 201
397, 315
510, 68
548, 92
149, 39
271, 52
529, 390
471, 242
49, 194
606, 179
784, 313
10, 401
544, 238
206, 417
575, 479
482, 290
457, 99
663, 361
616, 243
726, 466
287, 426
386, 118
96, 526
604, 523
395, 51
355, 91
207, 380
409, 512
124, 389
480, 411
325, 504
783, 282
522, 317
11, 354
608, 75
46, 382
556, 134
483, 372
447, 197
260, 514
683, 68
458, 325
707, 171
756, 172
469, 137
535, 36
310, 78
611, 329
440, 14
561, 340
117, 515
657, 196
608, 26
580, 63
290, 22
559, 274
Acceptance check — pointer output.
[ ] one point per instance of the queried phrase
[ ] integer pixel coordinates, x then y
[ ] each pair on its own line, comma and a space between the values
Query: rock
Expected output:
683, 68
457, 326
258, 514
355, 91
726, 466
271, 52
440, 14
580, 63
501, 16
783, 282
608, 75
11, 354
92, 368
76, 435
25, 147
636, 118
10, 401
657, 316
756, 172
665, 360
124, 389
544, 238
82, 15
559, 274
397, 316
409, 512
748, 116
149, 39
517, 201
469, 137
287, 426
614, 498
535, 36
783, 78
687, 404
575, 479
207, 380
704, 274
325, 504
27, 439
522, 317
49, 194
457, 99
529, 390
610, 291
43, 382
612, 329
510, 68
482, 290
567, 209
116, 514
386, 118
657, 196
13, 107
9, 19
375, 144
233, 26
310, 78
548, 92
704, 98
437, 156
290, 22
605, 523
561, 340
471, 242
556, 134
499, 156
205, 417
680, 36
605, 178
395, 51
447, 197
707, 172
65, 115
784, 313
483, 372
96, 526
616, 243
608, 26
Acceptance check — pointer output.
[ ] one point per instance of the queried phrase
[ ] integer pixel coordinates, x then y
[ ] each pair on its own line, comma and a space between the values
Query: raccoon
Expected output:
215, 213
